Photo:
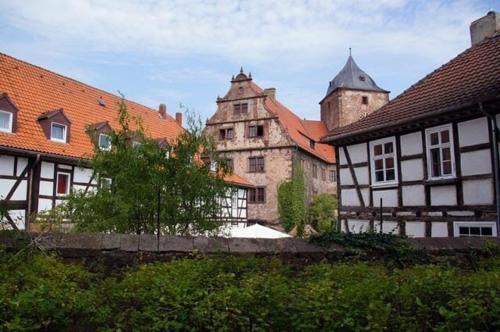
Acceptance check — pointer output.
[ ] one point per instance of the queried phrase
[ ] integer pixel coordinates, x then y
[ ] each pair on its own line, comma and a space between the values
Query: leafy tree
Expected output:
321, 212
291, 201
146, 183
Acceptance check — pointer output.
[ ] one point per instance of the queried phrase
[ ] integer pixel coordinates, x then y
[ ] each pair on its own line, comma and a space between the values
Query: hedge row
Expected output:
244, 294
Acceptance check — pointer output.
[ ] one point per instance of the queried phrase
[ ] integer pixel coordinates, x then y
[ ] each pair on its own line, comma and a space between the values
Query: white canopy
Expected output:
257, 231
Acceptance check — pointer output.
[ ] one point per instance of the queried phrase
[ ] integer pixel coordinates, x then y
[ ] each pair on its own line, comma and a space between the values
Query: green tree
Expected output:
146, 183
291, 201
321, 212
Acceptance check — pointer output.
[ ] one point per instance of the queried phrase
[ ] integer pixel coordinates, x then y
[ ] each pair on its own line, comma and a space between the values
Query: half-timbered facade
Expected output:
426, 163
45, 145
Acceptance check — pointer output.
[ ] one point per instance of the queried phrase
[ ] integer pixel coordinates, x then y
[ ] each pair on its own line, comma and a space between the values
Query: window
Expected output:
333, 175
315, 171
364, 100
240, 108
255, 164
468, 229
312, 144
226, 134
257, 195
440, 152
383, 163
58, 132
323, 174
229, 165
62, 184
256, 131
104, 142
213, 166
5, 121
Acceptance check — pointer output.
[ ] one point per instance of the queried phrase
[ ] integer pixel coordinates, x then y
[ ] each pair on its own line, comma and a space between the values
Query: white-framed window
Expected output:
440, 155
383, 161
58, 132
62, 184
6, 121
104, 142
474, 228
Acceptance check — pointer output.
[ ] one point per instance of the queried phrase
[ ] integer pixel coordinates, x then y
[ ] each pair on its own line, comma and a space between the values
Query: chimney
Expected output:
178, 118
484, 27
163, 111
270, 92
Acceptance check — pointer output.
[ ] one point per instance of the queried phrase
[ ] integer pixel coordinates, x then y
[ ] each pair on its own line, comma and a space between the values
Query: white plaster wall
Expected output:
357, 153
46, 188
411, 144
345, 177
6, 165
473, 132
5, 186
17, 216
439, 229
21, 165
65, 166
415, 229
362, 175
342, 159
389, 197
82, 175
444, 195
478, 192
44, 204
358, 226
412, 170
387, 227
77, 187
47, 170
21, 193
59, 202
413, 195
349, 197
476, 162
365, 193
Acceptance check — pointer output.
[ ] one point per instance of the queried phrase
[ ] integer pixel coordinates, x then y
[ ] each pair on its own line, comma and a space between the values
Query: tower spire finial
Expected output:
241, 70
350, 51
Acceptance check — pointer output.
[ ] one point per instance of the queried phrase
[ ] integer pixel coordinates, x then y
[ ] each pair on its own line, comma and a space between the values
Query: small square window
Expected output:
5, 121
256, 131
58, 132
62, 184
364, 100
104, 142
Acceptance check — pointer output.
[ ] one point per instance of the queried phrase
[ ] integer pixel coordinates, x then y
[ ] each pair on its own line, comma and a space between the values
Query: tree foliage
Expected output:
291, 201
151, 179
321, 212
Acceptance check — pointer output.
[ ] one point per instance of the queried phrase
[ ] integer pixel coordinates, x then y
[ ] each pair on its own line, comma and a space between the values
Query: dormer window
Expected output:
312, 144
6, 121
58, 132
104, 142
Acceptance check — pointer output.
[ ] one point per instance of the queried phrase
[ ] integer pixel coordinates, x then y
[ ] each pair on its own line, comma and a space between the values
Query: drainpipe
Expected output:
496, 162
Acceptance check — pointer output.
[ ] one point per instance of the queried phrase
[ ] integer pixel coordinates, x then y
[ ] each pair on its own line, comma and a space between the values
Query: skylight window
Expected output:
101, 102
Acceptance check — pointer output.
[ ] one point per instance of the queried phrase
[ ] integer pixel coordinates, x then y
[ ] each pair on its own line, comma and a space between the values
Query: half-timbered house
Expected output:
426, 163
45, 147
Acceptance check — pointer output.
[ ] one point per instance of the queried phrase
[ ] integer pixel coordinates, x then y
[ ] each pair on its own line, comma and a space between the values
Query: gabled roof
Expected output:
471, 77
39, 92
354, 78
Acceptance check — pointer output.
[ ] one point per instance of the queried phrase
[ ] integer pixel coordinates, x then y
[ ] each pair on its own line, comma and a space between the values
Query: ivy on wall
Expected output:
292, 202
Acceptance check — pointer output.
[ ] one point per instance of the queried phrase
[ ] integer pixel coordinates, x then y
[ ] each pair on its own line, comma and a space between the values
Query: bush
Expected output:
321, 212
246, 294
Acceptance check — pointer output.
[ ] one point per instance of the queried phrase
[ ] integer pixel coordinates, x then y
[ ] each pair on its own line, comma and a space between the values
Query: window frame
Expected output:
255, 192
68, 183
451, 145
99, 142
383, 156
314, 171
256, 126
458, 224
333, 175
11, 122
223, 134
65, 132
256, 170
238, 108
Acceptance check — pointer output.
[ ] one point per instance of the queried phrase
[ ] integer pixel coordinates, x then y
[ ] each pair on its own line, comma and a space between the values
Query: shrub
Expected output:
321, 212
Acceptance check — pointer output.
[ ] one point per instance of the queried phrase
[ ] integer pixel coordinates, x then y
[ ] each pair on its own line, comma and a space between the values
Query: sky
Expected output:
185, 52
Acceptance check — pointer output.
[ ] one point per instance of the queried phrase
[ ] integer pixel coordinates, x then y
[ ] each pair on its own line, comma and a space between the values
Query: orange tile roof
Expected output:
238, 180
35, 91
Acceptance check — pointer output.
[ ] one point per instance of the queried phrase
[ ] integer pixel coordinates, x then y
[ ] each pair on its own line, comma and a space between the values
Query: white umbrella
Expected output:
257, 231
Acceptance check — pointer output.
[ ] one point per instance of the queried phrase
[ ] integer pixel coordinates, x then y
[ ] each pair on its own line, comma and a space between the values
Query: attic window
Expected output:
6, 121
364, 100
101, 102
58, 132
256, 131
362, 78
312, 144
240, 108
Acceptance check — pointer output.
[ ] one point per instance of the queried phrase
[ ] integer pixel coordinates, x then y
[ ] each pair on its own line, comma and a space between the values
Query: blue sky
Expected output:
186, 51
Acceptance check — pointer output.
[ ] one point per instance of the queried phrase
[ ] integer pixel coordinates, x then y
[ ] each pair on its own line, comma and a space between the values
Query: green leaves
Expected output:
291, 201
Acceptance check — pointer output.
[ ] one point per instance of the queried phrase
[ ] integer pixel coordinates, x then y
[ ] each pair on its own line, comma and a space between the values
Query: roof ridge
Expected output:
79, 82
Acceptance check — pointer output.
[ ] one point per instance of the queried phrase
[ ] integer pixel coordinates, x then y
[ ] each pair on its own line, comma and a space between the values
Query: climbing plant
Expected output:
291, 201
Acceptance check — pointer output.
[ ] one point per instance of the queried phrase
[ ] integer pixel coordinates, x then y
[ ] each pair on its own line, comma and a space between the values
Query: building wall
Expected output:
343, 106
316, 185
417, 205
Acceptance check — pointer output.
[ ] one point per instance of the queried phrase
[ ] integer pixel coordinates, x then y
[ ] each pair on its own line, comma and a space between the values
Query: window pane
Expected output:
379, 176
475, 231
445, 136
260, 131
434, 139
58, 131
244, 107
252, 131
390, 175
486, 231
229, 133
237, 108
446, 154
463, 230
446, 167
222, 134
435, 162
389, 163
388, 148
104, 141
62, 183
5, 121
379, 164
377, 149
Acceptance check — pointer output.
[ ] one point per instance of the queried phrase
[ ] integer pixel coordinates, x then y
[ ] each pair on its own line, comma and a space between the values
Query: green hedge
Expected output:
244, 294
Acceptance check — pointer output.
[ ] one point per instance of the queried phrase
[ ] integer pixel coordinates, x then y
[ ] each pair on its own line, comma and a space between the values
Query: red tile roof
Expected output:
472, 76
